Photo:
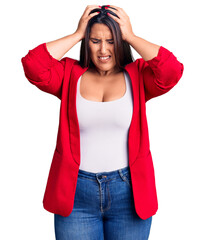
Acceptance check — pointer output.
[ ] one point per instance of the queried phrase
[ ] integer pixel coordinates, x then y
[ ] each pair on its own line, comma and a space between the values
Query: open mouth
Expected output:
104, 58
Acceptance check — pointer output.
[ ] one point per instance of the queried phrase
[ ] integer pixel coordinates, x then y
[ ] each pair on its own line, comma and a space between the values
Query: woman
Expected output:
101, 183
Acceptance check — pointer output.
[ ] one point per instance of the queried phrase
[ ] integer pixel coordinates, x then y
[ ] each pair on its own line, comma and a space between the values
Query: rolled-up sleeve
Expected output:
43, 70
161, 73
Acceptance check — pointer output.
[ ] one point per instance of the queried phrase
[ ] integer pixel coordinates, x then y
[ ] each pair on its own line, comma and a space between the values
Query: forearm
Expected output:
58, 48
147, 50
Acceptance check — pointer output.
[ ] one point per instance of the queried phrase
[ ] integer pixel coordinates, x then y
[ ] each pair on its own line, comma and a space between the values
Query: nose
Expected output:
103, 47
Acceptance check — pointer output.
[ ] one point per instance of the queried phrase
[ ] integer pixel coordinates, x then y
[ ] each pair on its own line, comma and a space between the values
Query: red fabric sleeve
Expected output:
44, 71
161, 73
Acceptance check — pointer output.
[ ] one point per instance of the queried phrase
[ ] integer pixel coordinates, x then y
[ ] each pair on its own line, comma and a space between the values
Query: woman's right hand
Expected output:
84, 20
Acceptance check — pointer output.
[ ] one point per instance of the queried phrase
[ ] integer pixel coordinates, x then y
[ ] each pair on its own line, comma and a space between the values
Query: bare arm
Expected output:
159, 74
58, 48
146, 49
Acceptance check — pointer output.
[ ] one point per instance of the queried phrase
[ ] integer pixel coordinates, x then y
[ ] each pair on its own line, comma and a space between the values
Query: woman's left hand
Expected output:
123, 21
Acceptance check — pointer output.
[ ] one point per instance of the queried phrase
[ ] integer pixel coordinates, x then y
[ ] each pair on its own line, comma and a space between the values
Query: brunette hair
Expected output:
123, 54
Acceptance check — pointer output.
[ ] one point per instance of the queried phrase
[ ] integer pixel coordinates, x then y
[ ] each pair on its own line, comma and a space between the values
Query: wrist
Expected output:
78, 36
130, 37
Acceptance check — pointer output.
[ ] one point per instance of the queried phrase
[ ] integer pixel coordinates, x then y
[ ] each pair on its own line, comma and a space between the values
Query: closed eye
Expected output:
98, 41
95, 41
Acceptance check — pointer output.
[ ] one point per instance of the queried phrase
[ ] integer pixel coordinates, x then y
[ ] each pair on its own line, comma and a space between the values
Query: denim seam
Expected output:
109, 200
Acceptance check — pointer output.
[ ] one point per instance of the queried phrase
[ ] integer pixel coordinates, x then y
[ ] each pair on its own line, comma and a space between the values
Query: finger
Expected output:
115, 11
118, 10
113, 6
89, 8
115, 18
92, 6
93, 14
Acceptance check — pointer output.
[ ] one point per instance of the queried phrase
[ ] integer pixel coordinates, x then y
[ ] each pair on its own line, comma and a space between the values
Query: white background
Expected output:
29, 117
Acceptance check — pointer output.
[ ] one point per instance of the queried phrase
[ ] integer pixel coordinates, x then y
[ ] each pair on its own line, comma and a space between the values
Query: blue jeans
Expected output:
103, 209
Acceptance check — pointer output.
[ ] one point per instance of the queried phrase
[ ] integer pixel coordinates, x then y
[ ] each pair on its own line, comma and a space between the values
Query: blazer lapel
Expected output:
134, 130
77, 71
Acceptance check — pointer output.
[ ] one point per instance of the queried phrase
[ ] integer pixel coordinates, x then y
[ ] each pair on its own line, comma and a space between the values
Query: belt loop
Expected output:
121, 174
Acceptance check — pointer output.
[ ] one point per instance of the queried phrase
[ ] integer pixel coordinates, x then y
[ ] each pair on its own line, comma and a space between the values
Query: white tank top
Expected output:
104, 130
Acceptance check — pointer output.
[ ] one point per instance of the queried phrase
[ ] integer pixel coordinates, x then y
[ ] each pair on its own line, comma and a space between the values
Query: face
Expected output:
102, 47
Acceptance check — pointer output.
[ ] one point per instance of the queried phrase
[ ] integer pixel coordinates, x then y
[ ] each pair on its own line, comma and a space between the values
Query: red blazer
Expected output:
59, 77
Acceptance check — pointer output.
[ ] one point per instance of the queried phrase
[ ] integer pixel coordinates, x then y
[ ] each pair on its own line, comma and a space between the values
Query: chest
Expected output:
102, 89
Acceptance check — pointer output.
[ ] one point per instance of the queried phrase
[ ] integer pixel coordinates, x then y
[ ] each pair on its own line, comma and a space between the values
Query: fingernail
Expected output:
108, 14
99, 6
106, 7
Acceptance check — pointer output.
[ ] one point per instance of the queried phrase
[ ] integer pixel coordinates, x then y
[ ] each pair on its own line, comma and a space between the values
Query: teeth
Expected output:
104, 57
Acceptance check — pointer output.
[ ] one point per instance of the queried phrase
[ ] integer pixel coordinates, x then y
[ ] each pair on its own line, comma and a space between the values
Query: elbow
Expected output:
170, 76
181, 70
31, 68
177, 73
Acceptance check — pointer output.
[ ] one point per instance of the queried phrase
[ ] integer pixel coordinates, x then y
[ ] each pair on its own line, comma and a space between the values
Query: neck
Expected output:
107, 73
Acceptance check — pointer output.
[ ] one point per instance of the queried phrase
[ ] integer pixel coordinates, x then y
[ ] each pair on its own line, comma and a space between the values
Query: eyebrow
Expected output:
99, 39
